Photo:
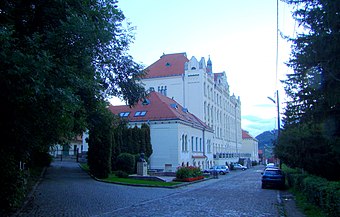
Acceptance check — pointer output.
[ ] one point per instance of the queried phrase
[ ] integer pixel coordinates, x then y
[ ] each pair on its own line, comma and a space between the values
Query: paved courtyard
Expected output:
68, 191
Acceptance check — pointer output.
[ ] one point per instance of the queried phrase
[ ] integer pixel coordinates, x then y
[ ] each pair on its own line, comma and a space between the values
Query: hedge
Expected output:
319, 191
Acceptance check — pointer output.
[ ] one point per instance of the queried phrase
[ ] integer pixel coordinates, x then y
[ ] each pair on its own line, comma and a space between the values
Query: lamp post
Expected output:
278, 111
278, 116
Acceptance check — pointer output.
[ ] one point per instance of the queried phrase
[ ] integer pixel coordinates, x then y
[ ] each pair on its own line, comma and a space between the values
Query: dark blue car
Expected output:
273, 177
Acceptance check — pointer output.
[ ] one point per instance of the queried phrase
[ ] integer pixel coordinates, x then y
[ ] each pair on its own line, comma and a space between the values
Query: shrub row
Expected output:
319, 191
188, 172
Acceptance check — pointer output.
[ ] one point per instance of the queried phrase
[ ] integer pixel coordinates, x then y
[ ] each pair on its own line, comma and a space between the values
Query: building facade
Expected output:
250, 147
203, 93
178, 137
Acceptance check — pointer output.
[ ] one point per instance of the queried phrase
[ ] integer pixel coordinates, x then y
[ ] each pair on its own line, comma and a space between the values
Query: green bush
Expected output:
121, 174
333, 199
319, 191
188, 172
323, 193
126, 163
315, 188
296, 180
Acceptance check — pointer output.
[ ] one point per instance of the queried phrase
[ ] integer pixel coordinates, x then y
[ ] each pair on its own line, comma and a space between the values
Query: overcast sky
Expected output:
239, 36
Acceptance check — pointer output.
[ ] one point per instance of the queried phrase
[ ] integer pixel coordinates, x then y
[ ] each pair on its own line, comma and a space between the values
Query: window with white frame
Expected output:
182, 142
201, 145
192, 143
196, 144
124, 114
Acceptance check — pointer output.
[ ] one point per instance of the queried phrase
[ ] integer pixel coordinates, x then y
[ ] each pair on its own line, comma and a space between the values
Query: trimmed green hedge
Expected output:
319, 191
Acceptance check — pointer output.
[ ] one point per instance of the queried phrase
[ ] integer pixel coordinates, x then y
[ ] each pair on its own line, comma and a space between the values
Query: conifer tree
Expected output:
311, 134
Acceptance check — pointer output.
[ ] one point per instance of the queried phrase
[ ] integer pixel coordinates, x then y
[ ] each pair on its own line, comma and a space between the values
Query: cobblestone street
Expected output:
68, 191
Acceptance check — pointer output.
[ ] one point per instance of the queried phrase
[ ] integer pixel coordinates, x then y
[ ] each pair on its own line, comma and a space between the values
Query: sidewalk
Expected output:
288, 204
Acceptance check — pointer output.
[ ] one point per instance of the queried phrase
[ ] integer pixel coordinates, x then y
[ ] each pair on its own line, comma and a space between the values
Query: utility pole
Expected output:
277, 102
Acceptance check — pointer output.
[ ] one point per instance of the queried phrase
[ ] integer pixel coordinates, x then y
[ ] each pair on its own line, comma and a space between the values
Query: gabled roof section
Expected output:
159, 108
246, 135
168, 65
217, 75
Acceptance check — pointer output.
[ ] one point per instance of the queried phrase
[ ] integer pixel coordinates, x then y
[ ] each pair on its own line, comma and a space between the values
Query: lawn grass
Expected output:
307, 208
114, 179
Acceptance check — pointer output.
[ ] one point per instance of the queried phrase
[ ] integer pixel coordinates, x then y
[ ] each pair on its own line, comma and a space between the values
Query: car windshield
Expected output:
273, 172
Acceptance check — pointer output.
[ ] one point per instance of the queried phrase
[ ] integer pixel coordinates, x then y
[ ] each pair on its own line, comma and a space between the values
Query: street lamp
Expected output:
278, 111
278, 116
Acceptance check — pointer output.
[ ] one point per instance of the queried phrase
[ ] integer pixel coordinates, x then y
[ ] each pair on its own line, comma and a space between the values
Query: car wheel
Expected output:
221, 173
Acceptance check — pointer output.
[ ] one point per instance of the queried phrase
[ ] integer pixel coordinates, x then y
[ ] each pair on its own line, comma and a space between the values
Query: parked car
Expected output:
221, 169
273, 177
270, 165
239, 167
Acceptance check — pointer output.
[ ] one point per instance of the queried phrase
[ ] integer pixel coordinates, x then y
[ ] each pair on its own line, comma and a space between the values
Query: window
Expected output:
200, 144
186, 143
183, 148
196, 144
124, 114
140, 113
192, 143
162, 90
209, 146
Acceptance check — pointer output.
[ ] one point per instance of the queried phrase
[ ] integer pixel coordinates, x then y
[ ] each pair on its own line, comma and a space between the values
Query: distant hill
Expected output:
266, 138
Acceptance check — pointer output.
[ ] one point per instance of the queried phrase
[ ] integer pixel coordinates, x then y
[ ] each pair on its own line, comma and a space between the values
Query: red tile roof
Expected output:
246, 135
167, 65
160, 108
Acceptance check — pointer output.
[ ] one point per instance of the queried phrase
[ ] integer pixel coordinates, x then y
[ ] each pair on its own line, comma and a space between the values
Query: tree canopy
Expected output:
310, 138
59, 59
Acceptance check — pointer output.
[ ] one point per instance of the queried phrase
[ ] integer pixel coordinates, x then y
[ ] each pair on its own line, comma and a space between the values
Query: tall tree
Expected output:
58, 60
314, 90
147, 140
100, 142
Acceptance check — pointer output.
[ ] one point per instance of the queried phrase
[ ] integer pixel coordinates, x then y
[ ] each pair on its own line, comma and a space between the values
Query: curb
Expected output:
145, 185
281, 205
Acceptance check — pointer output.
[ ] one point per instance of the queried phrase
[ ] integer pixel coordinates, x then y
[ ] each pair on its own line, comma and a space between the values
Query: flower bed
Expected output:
188, 174
191, 179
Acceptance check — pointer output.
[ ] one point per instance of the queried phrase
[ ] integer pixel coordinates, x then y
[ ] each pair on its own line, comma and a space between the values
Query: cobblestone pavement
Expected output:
68, 191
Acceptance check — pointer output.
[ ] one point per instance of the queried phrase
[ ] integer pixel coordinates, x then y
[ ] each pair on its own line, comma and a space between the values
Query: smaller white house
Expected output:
250, 146
76, 145
178, 137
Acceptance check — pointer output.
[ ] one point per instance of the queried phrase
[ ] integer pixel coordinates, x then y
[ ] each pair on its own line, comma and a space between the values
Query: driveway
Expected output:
68, 191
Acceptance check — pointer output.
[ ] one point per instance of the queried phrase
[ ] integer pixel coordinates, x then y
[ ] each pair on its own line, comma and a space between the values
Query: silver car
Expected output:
221, 169
239, 167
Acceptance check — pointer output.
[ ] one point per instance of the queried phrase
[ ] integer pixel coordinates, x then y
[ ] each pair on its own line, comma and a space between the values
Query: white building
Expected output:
250, 147
76, 146
178, 137
205, 94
